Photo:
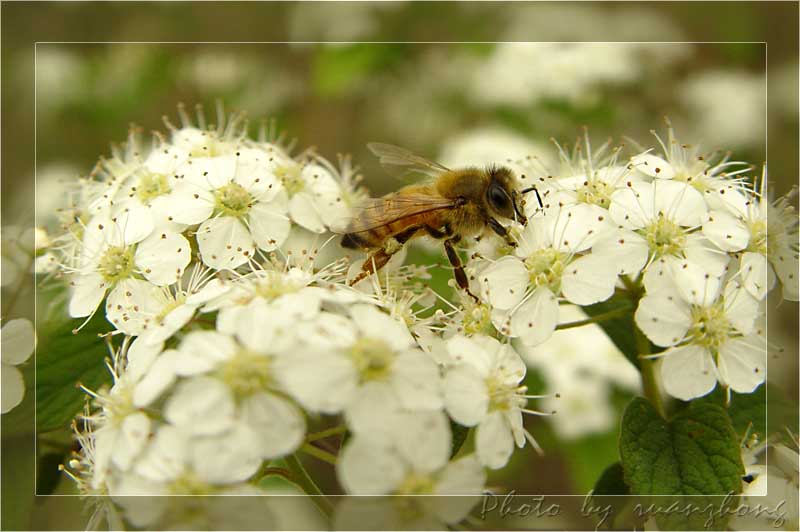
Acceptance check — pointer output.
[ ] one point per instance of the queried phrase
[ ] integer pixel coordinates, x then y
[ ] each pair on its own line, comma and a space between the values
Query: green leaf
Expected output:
63, 360
460, 433
17, 483
611, 481
620, 329
695, 453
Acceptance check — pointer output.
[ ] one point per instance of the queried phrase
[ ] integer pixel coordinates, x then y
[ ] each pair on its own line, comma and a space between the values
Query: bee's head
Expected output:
502, 195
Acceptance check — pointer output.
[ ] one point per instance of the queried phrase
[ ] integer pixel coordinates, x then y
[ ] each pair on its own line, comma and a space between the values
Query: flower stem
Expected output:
648, 371
314, 436
595, 319
307, 484
318, 453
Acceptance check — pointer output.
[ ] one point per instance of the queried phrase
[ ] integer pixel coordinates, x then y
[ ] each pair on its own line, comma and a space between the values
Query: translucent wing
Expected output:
392, 156
377, 212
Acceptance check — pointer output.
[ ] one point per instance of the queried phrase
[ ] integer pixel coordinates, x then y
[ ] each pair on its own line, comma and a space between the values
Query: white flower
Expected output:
120, 246
658, 223
483, 389
337, 356
710, 333
317, 199
239, 203
524, 289
18, 340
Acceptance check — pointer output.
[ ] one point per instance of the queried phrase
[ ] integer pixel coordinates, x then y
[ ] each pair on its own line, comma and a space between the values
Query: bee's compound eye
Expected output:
498, 198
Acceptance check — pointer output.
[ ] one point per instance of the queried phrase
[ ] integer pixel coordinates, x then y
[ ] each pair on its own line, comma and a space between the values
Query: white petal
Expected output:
134, 222
424, 440
688, 372
741, 308
191, 203
140, 357
694, 283
13, 387
785, 262
679, 202
132, 305
757, 276
277, 423
627, 250
577, 228
465, 395
504, 282
415, 378
226, 458
165, 457
702, 252
664, 318
653, 166
18, 339
202, 351
169, 324
468, 351
726, 231
493, 441
318, 380
269, 227
535, 321
461, 477
224, 243
163, 256
157, 380
201, 406
304, 213
87, 292
632, 207
133, 435
588, 280
742, 363
374, 412
374, 323
366, 469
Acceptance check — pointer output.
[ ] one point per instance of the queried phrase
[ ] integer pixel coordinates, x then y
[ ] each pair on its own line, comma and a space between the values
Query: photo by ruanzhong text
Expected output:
519, 506
776, 515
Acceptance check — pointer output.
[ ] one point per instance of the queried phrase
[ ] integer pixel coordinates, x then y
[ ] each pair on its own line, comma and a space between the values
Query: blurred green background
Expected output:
446, 101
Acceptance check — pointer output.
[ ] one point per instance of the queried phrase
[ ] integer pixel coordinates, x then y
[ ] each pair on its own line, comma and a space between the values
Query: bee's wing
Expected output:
377, 212
394, 157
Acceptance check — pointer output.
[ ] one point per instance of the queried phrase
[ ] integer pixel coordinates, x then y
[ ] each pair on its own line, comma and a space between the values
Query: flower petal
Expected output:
365, 468
653, 166
688, 372
588, 280
163, 256
18, 339
726, 231
13, 387
87, 292
535, 321
465, 395
504, 282
224, 243
664, 318
415, 378
269, 227
201, 406
742, 363
493, 441
278, 424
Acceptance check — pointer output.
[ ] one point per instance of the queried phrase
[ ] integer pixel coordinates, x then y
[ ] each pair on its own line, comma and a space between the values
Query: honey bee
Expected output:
450, 206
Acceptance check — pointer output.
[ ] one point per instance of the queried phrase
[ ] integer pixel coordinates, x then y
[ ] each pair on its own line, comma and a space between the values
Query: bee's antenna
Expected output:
538, 197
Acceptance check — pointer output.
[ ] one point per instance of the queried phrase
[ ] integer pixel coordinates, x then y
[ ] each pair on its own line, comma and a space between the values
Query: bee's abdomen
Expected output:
353, 241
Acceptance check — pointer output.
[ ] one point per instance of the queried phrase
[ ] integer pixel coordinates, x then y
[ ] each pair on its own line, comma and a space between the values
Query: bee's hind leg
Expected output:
458, 268
379, 258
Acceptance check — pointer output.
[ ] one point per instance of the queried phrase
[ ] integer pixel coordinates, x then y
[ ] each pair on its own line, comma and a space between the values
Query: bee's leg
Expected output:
498, 228
379, 258
458, 269
438, 234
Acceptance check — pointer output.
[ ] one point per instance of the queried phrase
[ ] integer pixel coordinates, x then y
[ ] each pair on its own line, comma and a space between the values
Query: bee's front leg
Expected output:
458, 269
500, 229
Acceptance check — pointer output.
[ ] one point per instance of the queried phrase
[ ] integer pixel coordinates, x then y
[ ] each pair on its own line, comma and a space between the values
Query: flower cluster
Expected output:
241, 342
686, 235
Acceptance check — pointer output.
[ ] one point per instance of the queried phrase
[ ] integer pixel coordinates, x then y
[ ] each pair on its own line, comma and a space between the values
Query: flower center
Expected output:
502, 396
477, 319
276, 286
710, 327
595, 192
151, 186
189, 484
232, 200
373, 358
417, 484
291, 178
247, 373
116, 264
759, 237
665, 237
545, 268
